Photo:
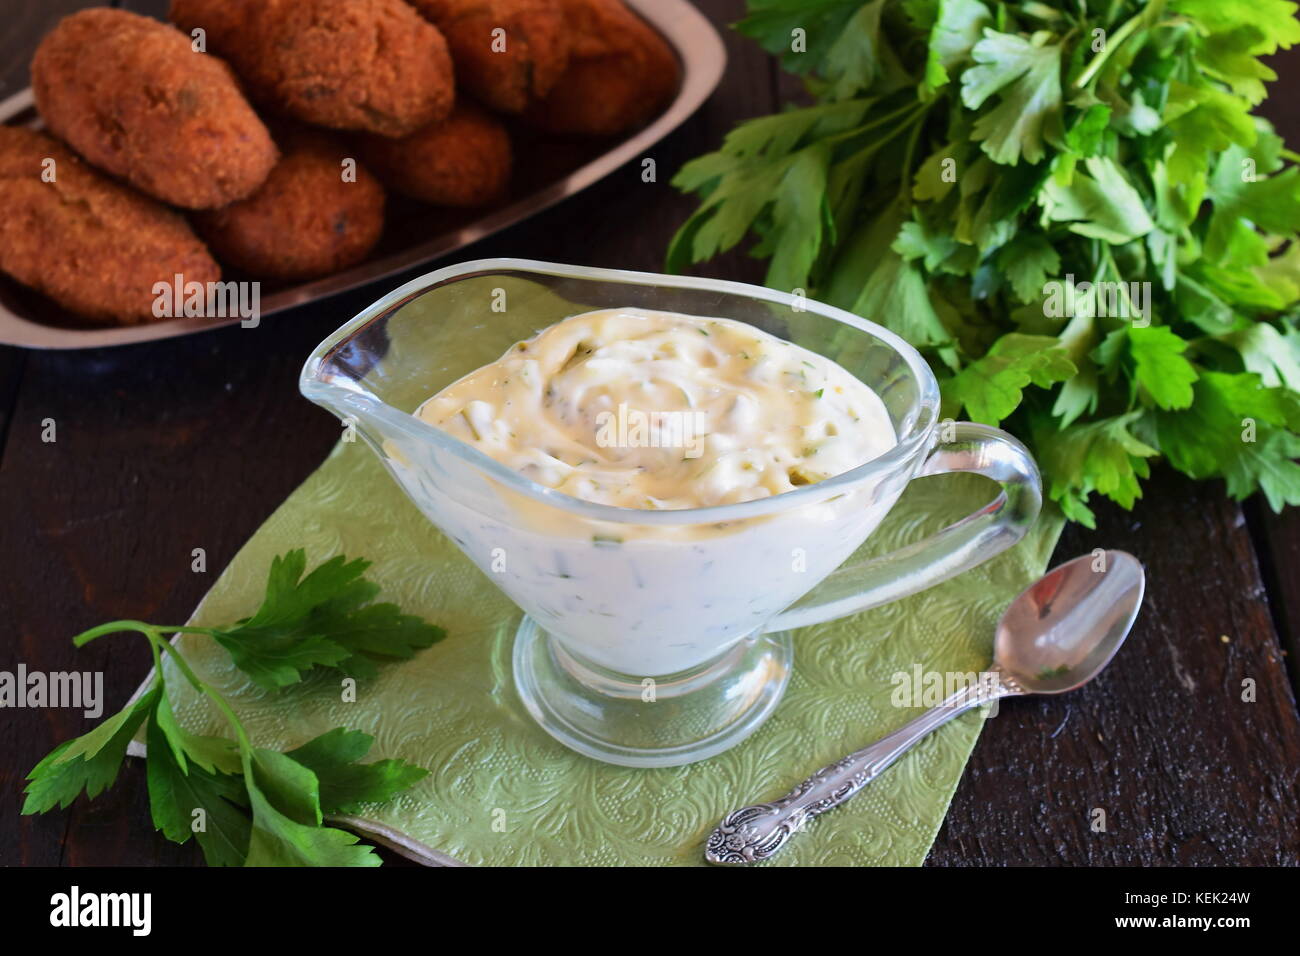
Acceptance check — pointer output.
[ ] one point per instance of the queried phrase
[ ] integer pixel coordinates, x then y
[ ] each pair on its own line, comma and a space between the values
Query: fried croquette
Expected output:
620, 74
131, 96
318, 212
506, 52
370, 65
463, 161
89, 243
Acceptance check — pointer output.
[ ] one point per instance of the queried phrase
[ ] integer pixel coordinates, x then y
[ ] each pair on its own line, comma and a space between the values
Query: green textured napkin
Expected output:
503, 792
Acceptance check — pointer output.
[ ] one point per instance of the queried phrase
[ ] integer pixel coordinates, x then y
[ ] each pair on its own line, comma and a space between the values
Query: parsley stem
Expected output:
908, 107
114, 627
199, 685
1139, 20
157, 660
158, 642
856, 132
905, 171
918, 109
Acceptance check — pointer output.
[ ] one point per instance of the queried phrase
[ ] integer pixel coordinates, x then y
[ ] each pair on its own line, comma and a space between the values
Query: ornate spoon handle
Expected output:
756, 832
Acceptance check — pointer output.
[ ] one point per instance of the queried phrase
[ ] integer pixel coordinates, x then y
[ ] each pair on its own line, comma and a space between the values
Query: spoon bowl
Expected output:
1063, 629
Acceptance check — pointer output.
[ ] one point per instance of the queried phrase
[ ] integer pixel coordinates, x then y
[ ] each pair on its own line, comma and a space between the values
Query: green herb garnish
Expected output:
248, 805
1070, 207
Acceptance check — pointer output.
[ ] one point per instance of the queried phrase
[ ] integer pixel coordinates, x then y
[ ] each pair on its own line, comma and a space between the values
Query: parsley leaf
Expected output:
1028, 78
822, 22
1100, 206
957, 27
975, 170
248, 805
323, 619
1158, 365
1027, 261
346, 784
858, 59
1102, 456
290, 834
88, 763
1243, 198
191, 801
1275, 358
1275, 19
990, 388
1229, 432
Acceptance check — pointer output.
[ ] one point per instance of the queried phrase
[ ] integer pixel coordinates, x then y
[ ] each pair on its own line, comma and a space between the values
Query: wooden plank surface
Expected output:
191, 443
1186, 771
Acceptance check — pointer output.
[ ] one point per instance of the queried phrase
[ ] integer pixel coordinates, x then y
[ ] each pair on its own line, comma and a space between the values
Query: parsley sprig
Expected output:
993, 181
259, 807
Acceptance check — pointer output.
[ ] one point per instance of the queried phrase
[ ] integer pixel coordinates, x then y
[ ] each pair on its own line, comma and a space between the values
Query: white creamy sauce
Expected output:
657, 410
743, 415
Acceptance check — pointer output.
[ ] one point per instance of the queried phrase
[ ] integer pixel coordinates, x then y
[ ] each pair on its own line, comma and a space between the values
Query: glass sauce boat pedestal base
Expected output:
655, 721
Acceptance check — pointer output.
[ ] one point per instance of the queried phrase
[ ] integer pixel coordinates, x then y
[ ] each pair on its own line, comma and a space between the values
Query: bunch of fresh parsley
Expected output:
248, 805
1069, 206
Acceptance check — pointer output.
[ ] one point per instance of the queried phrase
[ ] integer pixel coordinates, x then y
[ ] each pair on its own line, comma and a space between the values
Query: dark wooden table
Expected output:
191, 443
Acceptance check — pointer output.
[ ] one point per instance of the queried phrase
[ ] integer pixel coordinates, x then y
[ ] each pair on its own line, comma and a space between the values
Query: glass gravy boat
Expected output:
656, 638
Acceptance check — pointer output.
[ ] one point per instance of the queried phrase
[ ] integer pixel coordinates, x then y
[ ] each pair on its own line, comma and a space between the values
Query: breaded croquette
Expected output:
506, 52
89, 243
372, 65
131, 96
621, 73
463, 161
318, 212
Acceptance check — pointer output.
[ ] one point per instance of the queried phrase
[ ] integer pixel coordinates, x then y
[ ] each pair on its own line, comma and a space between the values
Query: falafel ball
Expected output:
621, 73
131, 96
509, 69
89, 243
371, 65
318, 212
463, 161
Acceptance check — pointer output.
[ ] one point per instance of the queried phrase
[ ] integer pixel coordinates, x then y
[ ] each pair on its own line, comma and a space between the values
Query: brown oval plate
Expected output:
415, 234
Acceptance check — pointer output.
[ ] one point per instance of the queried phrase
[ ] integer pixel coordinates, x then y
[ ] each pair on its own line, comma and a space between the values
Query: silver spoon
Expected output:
1054, 637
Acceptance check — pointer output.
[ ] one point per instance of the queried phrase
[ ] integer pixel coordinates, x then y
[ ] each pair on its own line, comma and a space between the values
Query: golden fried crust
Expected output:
372, 65
621, 73
134, 99
305, 221
463, 161
536, 47
92, 245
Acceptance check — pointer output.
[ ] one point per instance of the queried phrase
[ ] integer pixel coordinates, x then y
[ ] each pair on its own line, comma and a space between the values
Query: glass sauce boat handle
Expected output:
978, 449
